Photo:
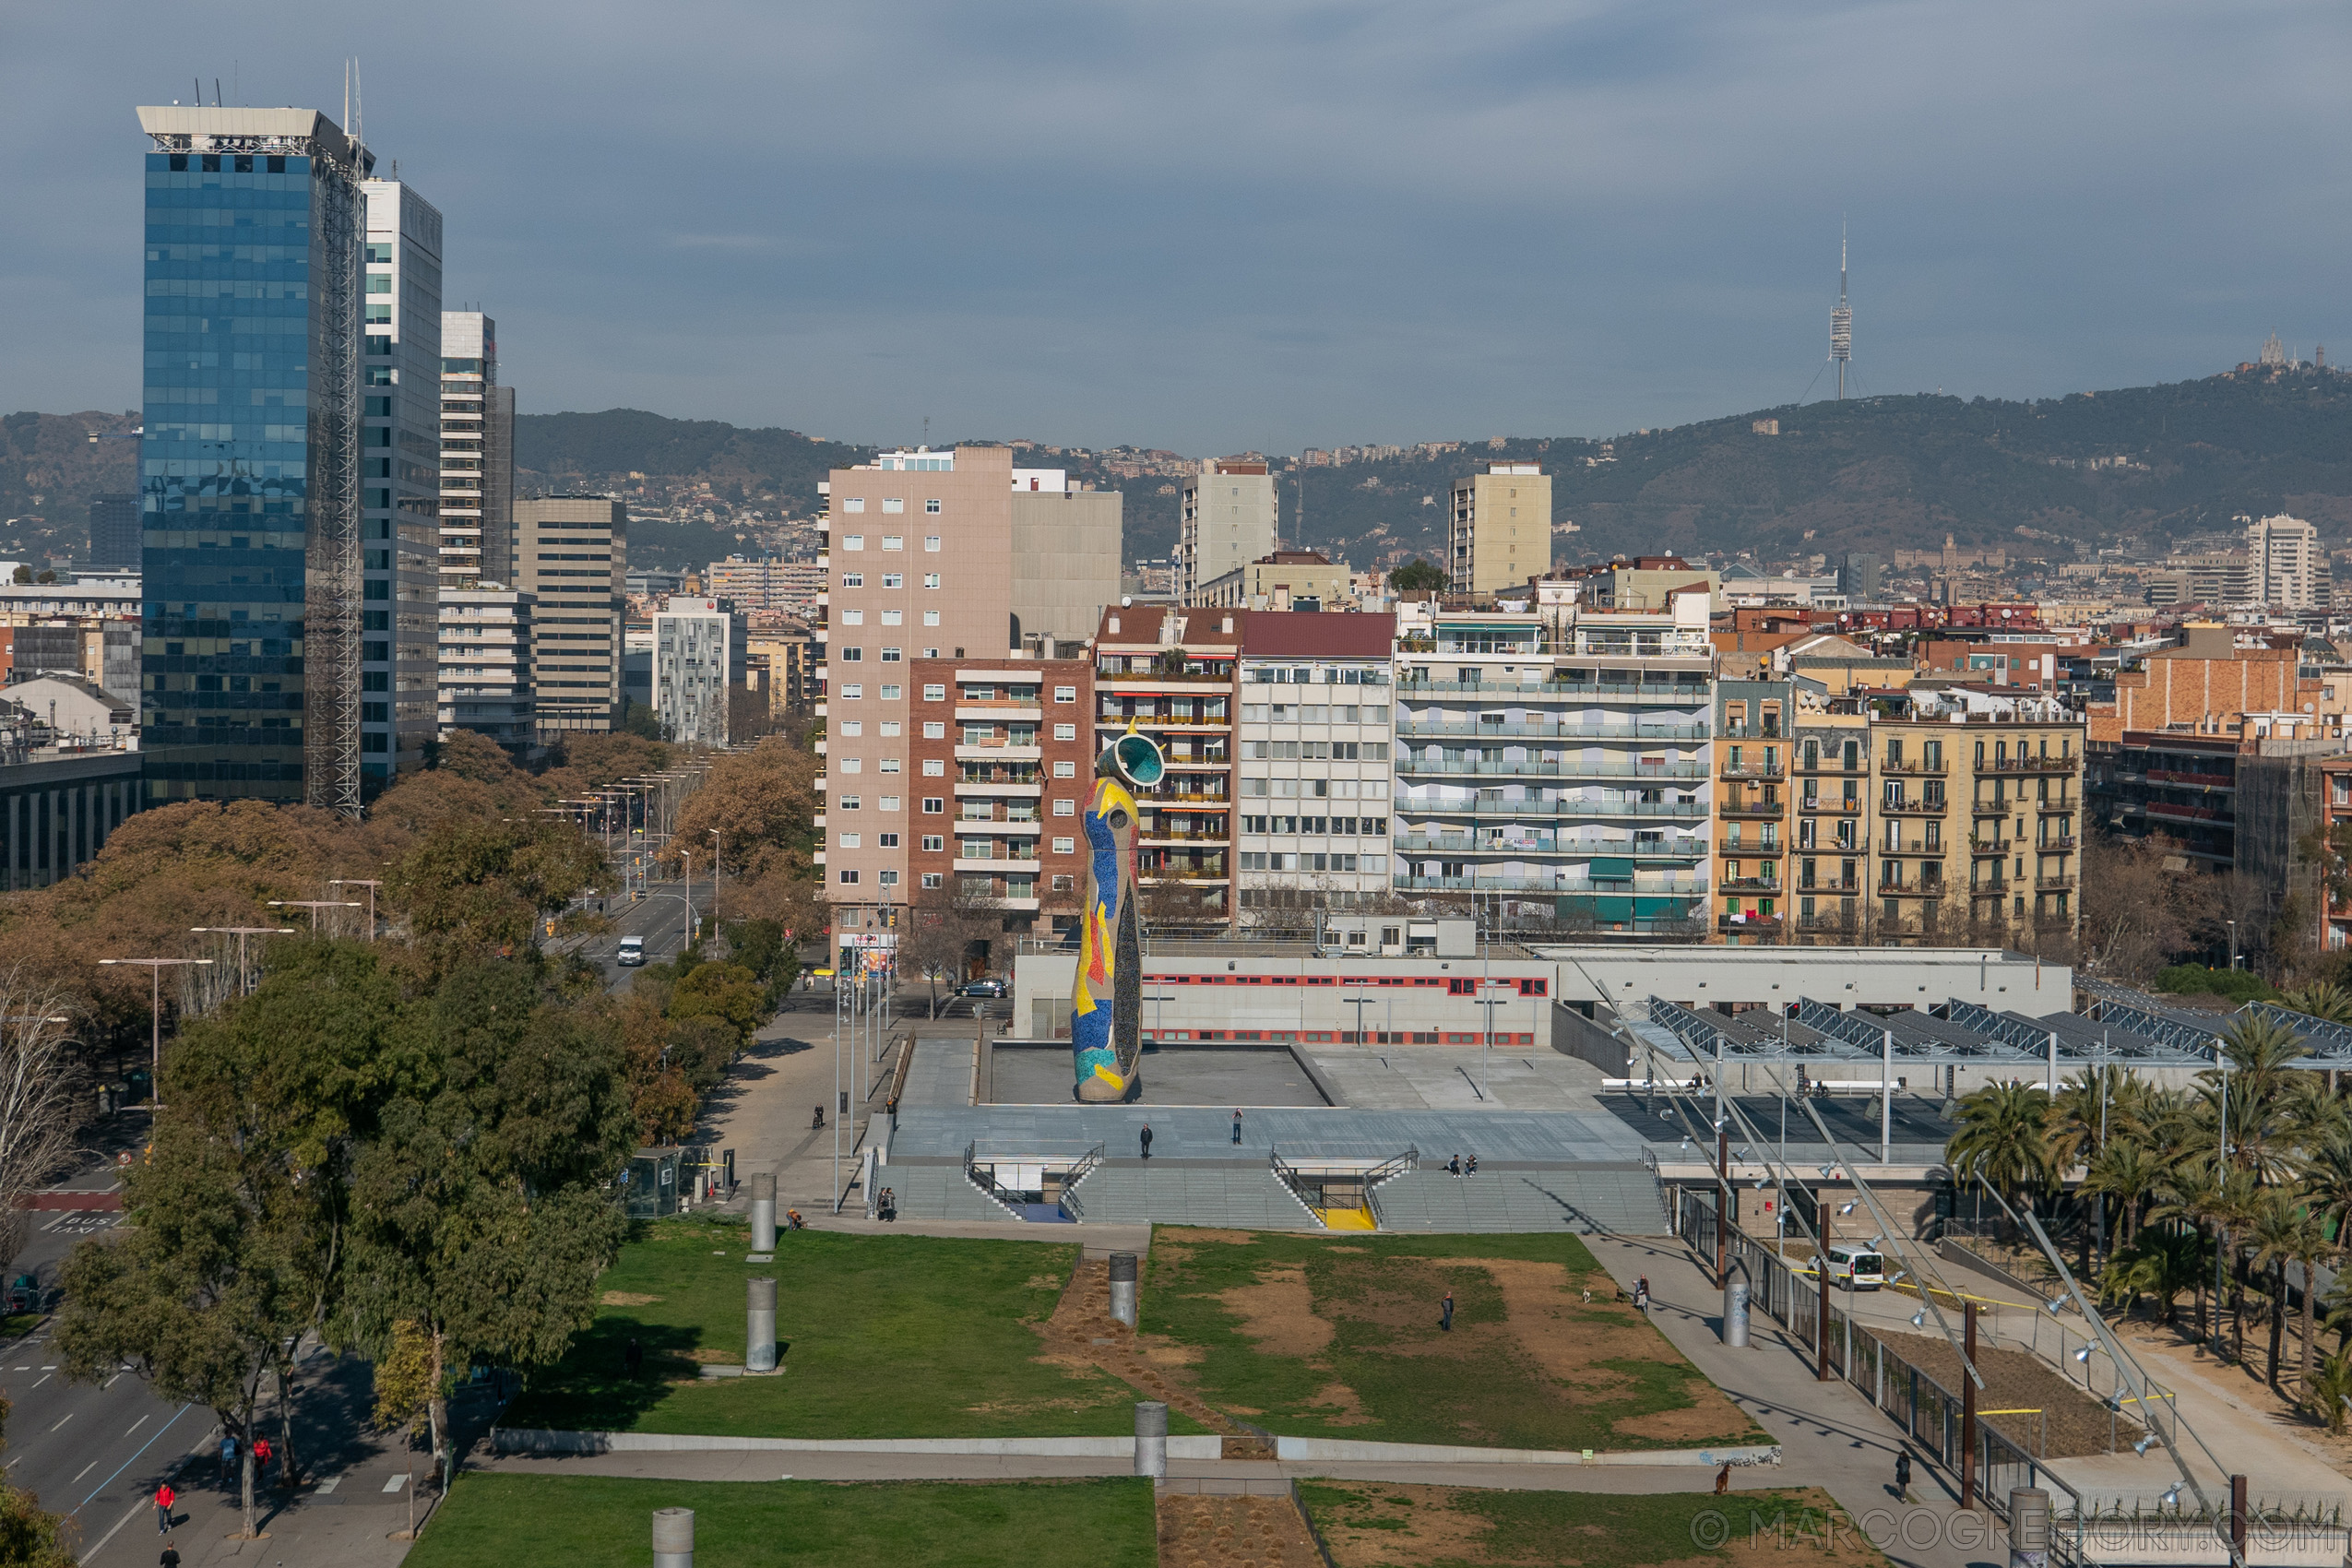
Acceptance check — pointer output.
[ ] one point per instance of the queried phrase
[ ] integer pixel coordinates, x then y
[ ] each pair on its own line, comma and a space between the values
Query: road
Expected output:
660, 917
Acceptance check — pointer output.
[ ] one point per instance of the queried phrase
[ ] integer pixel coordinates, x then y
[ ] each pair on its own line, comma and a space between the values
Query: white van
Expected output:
1856, 1268
631, 952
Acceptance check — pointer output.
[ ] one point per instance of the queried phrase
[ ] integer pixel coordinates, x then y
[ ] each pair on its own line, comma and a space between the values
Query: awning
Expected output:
1616, 867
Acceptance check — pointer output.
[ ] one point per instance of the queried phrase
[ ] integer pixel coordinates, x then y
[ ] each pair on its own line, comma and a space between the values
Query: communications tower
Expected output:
1841, 321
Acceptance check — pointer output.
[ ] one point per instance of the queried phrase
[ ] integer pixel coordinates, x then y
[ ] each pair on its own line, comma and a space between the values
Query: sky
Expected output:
1221, 227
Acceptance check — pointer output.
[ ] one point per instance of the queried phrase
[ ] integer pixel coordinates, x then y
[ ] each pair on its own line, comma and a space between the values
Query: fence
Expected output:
1928, 1412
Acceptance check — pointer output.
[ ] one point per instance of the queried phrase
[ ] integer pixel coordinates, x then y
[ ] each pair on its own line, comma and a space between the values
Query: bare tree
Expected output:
41, 1098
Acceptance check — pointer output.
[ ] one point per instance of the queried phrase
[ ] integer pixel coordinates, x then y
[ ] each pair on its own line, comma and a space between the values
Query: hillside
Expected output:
2151, 463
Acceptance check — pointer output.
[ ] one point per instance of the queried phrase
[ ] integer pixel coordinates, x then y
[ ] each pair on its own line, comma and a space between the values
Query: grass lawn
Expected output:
889, 1336
1378, 1524
1311, 1335
507, 1521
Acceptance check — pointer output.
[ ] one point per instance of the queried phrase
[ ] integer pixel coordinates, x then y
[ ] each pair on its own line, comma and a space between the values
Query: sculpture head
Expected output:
1133, 759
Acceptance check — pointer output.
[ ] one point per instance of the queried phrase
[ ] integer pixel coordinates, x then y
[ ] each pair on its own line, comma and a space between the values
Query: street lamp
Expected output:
368, 883
314, 906
718, 844
155, 968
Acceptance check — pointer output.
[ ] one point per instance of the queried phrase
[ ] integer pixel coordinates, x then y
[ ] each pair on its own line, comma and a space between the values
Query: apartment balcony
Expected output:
2059, 883
1750, 769
1187, 797
1993, 888
1831, 768
1769, 888
1912, 808
995, 862
1838, 888
1558, 848
1031, 710
997, 751
1751, 811
1015, 827
1561, 887
1815, 805
1447, 729
1744, 924
1565, 769
1151, 836
1182, 874
1993, 846
1572, 810
2056, 845
1159, 678
2172, 810
1914, 767
2030, 764
968, 787
1912, 847
1618, 691
2189, 780
1750, 848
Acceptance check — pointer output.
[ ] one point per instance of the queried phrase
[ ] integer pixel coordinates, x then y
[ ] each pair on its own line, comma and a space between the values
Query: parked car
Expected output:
631, 952
1856, 1268
23, 1296
983, 987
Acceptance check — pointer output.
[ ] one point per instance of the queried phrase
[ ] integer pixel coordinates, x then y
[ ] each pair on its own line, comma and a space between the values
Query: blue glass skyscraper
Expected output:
249, 469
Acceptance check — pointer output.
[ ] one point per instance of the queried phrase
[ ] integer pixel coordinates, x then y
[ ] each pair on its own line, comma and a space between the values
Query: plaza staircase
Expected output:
1244, 1196
1583, 1199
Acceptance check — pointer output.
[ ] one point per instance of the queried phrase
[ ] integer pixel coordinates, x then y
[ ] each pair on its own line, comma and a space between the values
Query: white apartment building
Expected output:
1314, 772
485, 678
1228, 517
1555, 760
698, 654
400, 482
476, 454
2290, 570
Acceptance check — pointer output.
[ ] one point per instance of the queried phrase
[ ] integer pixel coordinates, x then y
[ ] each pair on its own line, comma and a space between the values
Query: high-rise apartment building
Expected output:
572, 557
698, 662
2290, 570
1499, 534
1228, 516
1171, 673
249, 468
1753, 742
1556, 762
1314, 760
400, 483
476, 454
115, 531
485, 682
1065, 556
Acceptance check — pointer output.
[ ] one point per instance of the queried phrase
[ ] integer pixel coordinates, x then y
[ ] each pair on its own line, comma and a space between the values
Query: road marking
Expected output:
397, 1482
127, 1464
44, 1377
136, 1425
49, 1369
328, 1485
61, 1421
135, 1511
85, 1469
109, 1383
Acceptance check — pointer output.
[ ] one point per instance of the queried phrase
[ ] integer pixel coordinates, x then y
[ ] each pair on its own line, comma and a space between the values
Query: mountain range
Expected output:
2147, 464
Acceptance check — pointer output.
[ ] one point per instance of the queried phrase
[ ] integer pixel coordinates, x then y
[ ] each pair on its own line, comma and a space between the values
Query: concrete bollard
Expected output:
674, 1537
1735, 1314
764, 1212
759, 1326
1123, 1288
2028, 1527
1151, 1439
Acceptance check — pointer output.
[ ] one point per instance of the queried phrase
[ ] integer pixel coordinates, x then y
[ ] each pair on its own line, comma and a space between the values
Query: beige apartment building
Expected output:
1287, 579
1228, 516
1500, 530
1066, 544
572, 557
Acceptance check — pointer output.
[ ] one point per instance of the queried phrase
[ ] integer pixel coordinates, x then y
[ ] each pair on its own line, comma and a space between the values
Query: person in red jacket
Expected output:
164, 1498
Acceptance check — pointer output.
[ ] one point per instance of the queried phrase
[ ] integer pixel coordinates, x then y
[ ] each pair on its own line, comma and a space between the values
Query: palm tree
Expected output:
2090, 1108
2334, 1387
2004, 1138
2261, 1052
2326, 1171
2281, 1231
2127, 1172
2161, 1263
2324, 1000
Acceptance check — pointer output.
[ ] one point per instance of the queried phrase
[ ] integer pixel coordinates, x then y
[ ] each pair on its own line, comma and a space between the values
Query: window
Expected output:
933, 879
890, 764
854, 503
847, 803
889, 879
886, 803
890, 693
932, 506
933, 806
891, 655
885, 840
1065, 883
894, 579
930, 579
1066, 694
894, 542
853, 617
852, 691
934, 692
934, 842
849, 878
931, 617
848, 841
1065, 770
931, 542
894, 617
1065, 846
851, 765
935, 729
934, 767
852, 726
852, 655
889, 730
1065, 808
853, 580
1066, 731
894, 504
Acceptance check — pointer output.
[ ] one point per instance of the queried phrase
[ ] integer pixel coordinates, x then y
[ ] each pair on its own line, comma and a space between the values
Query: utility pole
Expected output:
1821, 1273
686, 861
155, 968
717, 846
1968, 1407
1722, 1203
244, 971
371, 884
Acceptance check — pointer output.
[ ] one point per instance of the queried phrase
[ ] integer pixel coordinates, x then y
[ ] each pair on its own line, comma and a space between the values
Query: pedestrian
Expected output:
1237, 1124
1471, 1169
1903, 1475
632, 1358
1147, 1140
171, 1558
261, 1455
1445, 1313
228, 1458
1454, 1166
1723, 1480
1642, 1293
164, 1498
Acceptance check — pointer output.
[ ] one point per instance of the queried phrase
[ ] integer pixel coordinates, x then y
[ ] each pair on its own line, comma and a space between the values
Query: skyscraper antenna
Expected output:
1841, 320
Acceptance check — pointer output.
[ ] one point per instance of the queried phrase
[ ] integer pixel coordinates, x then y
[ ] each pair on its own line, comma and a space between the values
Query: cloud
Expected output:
1219, 225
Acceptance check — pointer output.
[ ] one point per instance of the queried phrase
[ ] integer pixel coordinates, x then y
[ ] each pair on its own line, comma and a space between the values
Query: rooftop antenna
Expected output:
1841, 320
347, 91
359, 106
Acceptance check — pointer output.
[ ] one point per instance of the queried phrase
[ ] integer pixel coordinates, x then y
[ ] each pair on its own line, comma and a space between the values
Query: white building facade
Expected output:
486, 663
697, 656
1553, 763
1315, 772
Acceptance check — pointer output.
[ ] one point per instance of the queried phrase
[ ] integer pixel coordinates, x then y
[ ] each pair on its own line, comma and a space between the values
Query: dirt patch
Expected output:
1401, 1524
1082, 1334
1337, 1397
1278, 1312
1199, 1531
2072, 1425
1392, 1525
1044, 1282
626, 1299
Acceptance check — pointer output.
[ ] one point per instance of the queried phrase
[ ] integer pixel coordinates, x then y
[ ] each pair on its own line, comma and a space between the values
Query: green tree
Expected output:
2160, 1264
479, 1207
2125, 1174
2004, 1137
728, 993
480, 888
1416, 576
